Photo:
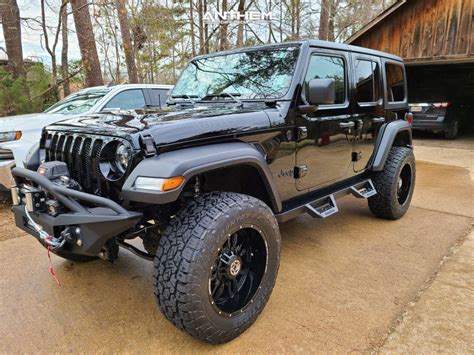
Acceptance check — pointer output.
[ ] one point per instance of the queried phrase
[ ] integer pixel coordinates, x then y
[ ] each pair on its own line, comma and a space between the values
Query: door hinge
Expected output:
300, 171
356, 156
148, 145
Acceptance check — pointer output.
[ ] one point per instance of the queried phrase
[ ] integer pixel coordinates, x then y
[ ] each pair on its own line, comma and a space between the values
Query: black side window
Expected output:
159, 96
368, 78
328, 67
127, 100
395, 82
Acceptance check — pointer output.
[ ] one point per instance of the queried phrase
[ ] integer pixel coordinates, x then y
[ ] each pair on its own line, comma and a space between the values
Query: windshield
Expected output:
78, 103
256, 74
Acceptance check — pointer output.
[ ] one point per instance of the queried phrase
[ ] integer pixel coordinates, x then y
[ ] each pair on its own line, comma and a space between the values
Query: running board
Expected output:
324, 205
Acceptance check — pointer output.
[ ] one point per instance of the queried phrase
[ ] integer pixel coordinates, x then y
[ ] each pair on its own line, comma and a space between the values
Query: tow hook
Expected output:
109, 251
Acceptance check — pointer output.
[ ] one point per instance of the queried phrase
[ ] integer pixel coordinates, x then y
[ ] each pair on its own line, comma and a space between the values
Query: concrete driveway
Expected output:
344, 283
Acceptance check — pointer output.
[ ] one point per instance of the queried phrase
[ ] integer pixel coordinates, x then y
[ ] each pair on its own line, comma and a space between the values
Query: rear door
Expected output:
325, 137
157, 97
369, 113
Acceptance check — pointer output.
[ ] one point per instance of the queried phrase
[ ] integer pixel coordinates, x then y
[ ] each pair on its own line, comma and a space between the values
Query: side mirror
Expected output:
321, 91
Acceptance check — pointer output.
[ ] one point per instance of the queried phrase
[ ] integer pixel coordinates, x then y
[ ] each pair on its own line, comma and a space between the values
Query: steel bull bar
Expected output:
82, 230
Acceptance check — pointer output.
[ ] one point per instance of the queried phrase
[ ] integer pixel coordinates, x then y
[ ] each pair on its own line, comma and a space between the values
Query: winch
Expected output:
36, 199
58, 173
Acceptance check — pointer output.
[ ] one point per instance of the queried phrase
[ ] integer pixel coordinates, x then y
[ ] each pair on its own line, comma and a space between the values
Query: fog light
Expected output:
158, 184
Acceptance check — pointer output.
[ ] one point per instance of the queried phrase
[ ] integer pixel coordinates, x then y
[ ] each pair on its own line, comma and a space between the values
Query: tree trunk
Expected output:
332, 15
10, 15
127, 41
64, 53
85, 37
51, 52
191, 19
223, 32
206, 31
240, 29
200, 26
297, 18
293, 24
324, 20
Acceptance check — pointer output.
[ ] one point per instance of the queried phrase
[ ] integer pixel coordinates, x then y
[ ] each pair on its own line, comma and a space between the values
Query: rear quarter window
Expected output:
395, 84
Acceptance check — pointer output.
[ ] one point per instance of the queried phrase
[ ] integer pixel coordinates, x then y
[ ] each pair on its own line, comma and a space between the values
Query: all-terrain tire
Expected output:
393, 197
186, 257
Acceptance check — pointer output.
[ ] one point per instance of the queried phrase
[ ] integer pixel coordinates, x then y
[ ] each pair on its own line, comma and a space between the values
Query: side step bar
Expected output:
325, 206
322, 208
365, 190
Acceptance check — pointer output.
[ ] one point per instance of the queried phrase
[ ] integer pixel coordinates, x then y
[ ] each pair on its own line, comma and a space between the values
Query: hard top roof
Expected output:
313, 43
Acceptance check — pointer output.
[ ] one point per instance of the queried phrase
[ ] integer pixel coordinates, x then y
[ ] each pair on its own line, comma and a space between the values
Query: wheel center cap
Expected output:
235, 267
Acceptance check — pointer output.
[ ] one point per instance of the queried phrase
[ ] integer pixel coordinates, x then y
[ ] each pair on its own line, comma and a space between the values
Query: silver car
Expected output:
20, 135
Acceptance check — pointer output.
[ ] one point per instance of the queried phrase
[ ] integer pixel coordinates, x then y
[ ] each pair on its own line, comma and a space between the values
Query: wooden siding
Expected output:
424, 31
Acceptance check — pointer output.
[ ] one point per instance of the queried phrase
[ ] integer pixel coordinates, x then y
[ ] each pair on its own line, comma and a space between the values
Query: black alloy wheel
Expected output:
404, 184
237, 271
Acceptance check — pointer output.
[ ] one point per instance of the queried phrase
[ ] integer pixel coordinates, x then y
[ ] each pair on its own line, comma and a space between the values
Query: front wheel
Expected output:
394, 184
216, 265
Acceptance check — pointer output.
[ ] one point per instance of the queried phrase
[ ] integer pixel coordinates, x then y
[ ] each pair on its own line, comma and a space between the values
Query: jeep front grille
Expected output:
82, 156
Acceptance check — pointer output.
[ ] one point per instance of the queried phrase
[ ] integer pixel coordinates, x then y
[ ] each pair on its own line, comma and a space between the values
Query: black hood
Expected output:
170, 125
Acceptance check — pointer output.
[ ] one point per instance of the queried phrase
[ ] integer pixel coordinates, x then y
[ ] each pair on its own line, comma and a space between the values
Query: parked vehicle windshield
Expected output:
78, 103
256, 74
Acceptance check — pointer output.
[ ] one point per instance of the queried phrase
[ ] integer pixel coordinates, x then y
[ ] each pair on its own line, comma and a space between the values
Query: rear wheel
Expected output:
216, 265
453, 131
394, 184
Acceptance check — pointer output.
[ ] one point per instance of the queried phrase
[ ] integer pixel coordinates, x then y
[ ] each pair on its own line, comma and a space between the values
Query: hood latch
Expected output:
148, 145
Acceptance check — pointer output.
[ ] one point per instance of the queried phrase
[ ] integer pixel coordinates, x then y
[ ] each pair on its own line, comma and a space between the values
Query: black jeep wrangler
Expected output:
249, 138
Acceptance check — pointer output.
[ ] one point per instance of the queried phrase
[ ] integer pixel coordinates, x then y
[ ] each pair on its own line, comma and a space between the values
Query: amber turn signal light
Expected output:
172, 183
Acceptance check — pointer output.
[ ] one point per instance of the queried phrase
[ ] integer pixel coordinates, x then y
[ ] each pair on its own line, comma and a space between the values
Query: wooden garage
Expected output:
435, 39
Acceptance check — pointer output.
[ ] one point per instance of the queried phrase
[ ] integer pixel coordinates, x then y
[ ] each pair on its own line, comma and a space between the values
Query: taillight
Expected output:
409, 118
442, 104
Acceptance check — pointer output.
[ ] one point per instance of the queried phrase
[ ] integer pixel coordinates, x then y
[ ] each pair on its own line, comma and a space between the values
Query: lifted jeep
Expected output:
249, 138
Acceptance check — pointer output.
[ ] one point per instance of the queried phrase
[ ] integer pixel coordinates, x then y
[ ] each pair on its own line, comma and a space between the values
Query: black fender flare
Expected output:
189, 162
385, 140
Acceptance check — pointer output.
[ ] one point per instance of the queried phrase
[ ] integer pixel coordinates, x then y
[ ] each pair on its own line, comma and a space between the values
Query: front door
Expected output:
324, 145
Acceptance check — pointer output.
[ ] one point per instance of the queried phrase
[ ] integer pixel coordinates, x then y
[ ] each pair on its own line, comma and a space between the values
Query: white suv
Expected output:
19, 135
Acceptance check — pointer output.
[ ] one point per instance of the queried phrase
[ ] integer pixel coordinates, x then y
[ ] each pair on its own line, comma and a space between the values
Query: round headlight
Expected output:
122, 157
115, 158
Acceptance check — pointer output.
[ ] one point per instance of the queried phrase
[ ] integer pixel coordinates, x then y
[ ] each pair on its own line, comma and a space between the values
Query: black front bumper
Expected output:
86, 229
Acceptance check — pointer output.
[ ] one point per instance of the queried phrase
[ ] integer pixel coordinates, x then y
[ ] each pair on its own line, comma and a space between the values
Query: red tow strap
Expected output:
51, 269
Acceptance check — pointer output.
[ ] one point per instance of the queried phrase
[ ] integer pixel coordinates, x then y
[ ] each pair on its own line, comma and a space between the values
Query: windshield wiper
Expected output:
225, 94
189, 97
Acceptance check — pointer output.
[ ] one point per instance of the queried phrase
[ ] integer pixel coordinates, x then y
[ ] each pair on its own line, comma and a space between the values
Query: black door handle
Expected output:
347, 124
378, 119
